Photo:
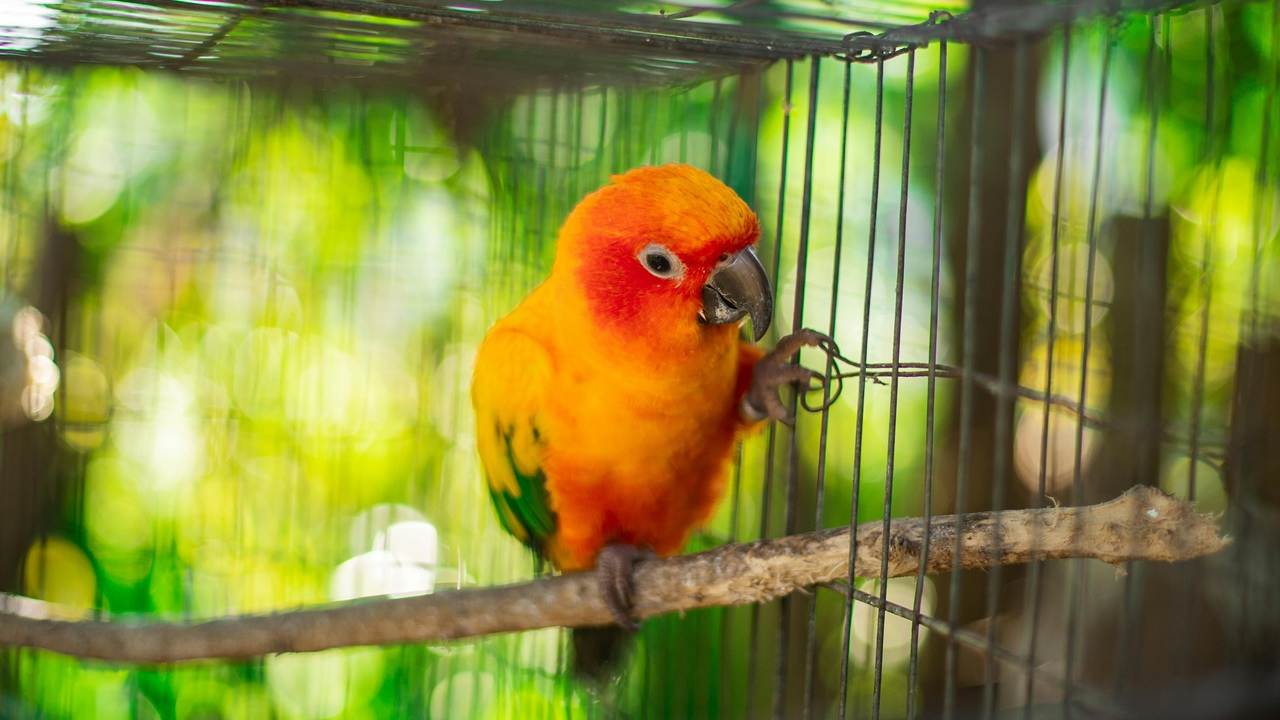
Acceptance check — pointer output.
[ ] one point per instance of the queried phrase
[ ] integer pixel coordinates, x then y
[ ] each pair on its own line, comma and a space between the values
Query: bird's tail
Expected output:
599, 653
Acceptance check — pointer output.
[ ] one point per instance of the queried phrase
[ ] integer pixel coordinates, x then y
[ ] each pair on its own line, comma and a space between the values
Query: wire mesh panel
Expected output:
246, 284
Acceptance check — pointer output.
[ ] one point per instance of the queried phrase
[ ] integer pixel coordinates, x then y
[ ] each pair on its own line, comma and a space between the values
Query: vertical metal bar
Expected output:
713, 122
682, 145
1261, 198
731, 142
1206, 258
802, 255
766, 505
724, 673
1246, 582
793, 451
574, 166
751, 133
967, 363
726, 634
646, 673
812, 649
744, 92
1015, 212
9, 266
894, 380
553, 174
1146, 346
1074, 584
796, 323
766, 501
603, 139
530, 239
862, 387
698, 671
651, 126
669, 672
1211, 163
935, 284
622, 145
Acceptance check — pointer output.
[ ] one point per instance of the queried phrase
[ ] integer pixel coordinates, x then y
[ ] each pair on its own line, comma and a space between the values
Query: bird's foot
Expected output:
775, 369
613, 566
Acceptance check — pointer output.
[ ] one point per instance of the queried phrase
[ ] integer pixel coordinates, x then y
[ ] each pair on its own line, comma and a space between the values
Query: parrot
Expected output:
608, 403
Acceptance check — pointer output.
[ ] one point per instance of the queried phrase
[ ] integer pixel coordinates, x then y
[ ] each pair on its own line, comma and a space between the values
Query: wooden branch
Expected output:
1142, 524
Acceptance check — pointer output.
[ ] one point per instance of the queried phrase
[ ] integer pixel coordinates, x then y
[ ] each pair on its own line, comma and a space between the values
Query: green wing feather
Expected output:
512, 372
527, 515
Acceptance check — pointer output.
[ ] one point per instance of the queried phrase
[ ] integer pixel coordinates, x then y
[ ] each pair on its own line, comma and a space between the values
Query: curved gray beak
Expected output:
737, 289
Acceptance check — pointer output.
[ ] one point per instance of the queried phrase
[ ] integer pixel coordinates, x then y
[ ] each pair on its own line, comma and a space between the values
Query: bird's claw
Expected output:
775, 369
613, 566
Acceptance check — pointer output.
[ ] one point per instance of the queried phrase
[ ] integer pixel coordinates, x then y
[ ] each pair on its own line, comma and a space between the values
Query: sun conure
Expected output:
609, 401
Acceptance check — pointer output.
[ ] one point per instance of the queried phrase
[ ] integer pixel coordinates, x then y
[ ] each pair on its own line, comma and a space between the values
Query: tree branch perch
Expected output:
1142, 524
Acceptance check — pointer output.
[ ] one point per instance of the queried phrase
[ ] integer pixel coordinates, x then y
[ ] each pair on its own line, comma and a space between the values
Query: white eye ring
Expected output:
661, 262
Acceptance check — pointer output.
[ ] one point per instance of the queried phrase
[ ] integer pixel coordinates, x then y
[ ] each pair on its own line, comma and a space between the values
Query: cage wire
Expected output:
259, 258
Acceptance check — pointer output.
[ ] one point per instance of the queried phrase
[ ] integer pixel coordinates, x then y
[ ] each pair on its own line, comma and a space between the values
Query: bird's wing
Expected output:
512, 373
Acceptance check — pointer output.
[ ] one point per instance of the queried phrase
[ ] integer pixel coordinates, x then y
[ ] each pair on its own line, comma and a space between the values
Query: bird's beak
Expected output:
738, 288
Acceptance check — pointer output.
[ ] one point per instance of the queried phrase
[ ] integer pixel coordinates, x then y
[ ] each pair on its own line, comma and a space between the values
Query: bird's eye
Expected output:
661, 262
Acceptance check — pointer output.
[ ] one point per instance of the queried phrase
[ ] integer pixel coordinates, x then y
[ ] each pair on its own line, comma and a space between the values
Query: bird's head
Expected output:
669, 250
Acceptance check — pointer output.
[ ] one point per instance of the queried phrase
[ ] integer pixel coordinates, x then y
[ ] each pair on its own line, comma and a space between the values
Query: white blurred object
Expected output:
378, 573
417, 541
397, 552
367, 526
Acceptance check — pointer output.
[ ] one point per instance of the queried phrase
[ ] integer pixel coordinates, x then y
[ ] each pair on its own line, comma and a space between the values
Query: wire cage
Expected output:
249, 250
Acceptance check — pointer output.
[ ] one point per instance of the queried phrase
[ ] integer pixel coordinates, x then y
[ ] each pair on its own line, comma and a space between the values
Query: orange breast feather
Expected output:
633, 452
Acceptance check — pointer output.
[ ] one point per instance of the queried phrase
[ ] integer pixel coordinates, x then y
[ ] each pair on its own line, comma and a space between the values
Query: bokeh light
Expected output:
1210, 495
897, 630
57, 571
86, 403
313, 686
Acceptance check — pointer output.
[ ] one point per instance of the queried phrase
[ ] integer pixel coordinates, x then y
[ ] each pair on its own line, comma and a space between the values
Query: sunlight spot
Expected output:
328, 395
156, 428
539, 649
449, 402
417, 542
323, 684
86, 403
370, 525
897, 630
1073, 268
266, 360
463, 695
431, 154
118, 527
92, 177
1059, 453
377, 573
58, 571
698, 148
1211, 496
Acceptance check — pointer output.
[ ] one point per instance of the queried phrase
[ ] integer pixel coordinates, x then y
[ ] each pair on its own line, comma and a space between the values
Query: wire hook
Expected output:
866, 47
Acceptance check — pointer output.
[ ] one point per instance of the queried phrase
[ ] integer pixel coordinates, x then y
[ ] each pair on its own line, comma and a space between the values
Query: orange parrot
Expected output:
609, 401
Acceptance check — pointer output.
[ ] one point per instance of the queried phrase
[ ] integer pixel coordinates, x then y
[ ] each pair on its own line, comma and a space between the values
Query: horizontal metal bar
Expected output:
1081, 696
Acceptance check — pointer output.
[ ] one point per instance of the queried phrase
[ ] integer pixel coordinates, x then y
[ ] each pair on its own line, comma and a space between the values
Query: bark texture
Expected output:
1142, 524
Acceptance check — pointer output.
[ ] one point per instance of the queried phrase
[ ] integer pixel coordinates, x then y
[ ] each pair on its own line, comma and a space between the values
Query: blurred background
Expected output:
247, 253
